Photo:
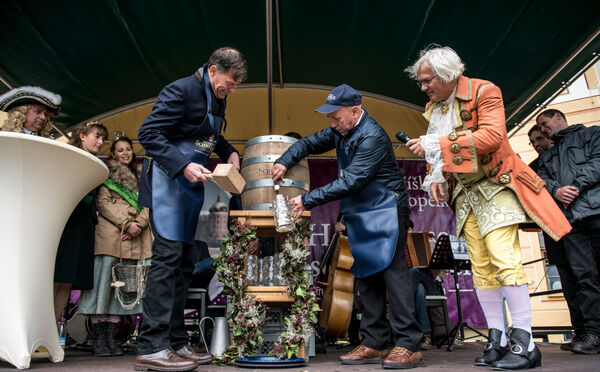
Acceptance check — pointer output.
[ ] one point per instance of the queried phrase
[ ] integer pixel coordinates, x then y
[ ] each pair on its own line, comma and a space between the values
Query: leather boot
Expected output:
188, 352
364, 355
518, 357
493, 351
99, 342
164, 360
113, 345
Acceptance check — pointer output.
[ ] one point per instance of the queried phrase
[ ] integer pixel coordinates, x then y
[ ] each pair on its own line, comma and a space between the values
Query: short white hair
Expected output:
444, 61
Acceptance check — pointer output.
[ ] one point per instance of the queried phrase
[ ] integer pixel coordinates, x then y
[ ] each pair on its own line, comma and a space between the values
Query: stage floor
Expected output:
461, 358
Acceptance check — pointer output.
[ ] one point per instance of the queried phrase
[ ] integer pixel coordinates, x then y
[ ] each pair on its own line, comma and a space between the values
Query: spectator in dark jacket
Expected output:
571, 170
555, 251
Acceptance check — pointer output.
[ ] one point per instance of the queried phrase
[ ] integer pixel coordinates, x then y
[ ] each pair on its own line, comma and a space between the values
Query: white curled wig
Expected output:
444, 61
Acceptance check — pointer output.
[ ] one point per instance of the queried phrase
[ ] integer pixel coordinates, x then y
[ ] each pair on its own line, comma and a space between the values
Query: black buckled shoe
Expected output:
518, 357
493, 351
588, 344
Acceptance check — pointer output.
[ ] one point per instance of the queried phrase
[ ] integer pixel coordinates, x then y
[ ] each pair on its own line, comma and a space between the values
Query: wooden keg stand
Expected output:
265, 225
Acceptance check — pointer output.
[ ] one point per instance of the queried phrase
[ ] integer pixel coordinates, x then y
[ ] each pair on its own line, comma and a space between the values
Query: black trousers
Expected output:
582, 247
555, 252
163, 302
397, 283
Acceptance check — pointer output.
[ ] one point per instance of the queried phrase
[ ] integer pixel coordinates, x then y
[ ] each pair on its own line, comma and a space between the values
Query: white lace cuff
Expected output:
433, 156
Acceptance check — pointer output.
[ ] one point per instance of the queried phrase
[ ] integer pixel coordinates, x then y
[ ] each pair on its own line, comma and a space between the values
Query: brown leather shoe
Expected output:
364, 355
402, 358
189, 353
164, 360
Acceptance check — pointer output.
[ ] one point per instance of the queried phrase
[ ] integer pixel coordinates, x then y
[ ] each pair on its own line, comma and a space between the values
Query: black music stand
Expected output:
442, 258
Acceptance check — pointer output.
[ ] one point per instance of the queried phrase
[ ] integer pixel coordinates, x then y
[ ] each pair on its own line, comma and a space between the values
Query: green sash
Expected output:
130, 196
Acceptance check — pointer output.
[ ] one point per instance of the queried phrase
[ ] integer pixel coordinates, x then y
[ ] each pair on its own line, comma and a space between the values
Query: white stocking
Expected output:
519, 305
491, 301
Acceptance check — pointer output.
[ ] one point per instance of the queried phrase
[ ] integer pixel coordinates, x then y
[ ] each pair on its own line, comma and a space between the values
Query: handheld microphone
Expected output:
402, 137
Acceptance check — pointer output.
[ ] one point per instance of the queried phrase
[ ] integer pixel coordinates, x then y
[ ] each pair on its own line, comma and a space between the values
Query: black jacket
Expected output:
374, 159
574, 160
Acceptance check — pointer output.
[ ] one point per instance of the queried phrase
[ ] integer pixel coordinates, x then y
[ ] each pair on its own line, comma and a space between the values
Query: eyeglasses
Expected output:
420, 83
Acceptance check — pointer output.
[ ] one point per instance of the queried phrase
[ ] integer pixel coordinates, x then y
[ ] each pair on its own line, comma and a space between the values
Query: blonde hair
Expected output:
16, 120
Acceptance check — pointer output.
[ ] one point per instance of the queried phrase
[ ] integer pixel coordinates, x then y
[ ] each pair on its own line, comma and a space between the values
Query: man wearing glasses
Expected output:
494, 191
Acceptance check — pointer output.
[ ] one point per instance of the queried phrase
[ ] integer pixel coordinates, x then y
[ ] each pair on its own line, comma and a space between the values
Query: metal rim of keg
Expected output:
267, 182
268, 159
260, 207
264, 139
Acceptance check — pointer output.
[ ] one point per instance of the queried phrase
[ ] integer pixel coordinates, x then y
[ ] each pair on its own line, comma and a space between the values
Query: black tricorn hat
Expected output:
28, 96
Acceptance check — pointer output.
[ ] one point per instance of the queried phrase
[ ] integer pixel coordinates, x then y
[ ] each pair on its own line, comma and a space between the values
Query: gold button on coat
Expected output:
504, 178
455, 147
486, 159
494, 171
457, 159
453, 136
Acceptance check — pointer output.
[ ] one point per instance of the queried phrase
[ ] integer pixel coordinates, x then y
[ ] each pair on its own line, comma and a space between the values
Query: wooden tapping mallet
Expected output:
228, 178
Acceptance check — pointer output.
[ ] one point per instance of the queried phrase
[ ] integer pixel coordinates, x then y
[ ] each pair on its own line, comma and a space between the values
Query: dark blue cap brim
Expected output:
326, 109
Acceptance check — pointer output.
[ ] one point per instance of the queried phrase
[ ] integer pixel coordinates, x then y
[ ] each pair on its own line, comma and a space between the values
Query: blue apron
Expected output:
371, 218
176, 203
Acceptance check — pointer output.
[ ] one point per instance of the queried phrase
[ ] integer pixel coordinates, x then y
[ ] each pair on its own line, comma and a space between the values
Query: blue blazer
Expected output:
177, 114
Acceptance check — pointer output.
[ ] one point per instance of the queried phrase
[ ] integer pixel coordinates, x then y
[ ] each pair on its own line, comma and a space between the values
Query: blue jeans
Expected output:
423, 285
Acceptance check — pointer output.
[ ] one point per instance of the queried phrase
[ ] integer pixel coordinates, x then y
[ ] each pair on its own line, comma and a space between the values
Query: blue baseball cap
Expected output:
343, 95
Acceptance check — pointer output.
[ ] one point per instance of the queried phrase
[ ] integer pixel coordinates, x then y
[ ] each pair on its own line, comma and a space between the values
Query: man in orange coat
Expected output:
493, 192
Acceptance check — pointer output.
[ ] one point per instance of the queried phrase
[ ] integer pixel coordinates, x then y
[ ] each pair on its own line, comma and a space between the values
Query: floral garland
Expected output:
300, 323
249, 315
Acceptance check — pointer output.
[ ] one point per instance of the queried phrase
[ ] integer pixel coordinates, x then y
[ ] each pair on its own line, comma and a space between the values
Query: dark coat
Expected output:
374, 159
177, 114
75, 256
574, 160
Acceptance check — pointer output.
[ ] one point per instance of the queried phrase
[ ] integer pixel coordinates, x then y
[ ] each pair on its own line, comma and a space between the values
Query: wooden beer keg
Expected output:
259, 155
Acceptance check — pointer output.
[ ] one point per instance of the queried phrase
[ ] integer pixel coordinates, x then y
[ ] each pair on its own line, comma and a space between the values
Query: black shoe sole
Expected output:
402, 366
145, 367
360, 362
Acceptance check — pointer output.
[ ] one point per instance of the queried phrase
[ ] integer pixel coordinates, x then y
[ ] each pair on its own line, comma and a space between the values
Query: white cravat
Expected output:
440, 124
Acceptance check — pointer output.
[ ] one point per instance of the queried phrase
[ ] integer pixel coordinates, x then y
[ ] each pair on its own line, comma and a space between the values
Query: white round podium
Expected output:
41, 182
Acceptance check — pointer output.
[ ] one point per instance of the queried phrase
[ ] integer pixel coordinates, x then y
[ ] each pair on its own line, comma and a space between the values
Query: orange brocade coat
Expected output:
482, 141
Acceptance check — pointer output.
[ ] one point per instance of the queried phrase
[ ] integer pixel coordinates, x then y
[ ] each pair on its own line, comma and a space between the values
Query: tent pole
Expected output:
269, 6
278, 25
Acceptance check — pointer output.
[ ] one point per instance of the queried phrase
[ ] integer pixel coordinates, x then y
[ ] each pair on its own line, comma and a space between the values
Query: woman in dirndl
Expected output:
122, 237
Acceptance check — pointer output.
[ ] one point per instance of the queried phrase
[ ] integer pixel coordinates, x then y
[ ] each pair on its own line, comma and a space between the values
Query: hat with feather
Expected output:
30, 96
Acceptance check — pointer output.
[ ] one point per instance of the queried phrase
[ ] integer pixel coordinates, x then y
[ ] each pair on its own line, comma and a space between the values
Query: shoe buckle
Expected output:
488, 346
516, 349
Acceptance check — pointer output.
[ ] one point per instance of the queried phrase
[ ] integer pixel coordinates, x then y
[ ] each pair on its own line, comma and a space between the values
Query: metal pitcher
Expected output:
220, 337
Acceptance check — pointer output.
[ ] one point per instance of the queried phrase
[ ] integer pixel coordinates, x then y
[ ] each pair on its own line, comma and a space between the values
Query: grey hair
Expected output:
228, 58
444, 61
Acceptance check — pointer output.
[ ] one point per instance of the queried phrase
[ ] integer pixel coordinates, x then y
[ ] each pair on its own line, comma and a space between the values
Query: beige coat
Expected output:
114, 216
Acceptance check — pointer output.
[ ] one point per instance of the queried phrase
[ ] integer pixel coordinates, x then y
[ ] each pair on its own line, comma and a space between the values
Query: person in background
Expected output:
571, 169
31, 110
179, 135
494, 191
555, 251
424, 285
74, 266
122, 232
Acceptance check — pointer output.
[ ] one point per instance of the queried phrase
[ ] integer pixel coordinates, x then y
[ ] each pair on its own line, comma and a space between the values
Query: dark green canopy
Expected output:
104, 54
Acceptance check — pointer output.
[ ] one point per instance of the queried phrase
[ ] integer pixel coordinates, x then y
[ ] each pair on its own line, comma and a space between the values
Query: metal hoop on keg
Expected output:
267, 182
262, 139
268, 159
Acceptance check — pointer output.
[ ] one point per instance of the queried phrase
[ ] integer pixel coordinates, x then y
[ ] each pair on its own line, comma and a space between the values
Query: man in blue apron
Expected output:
373, 200
179, 135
